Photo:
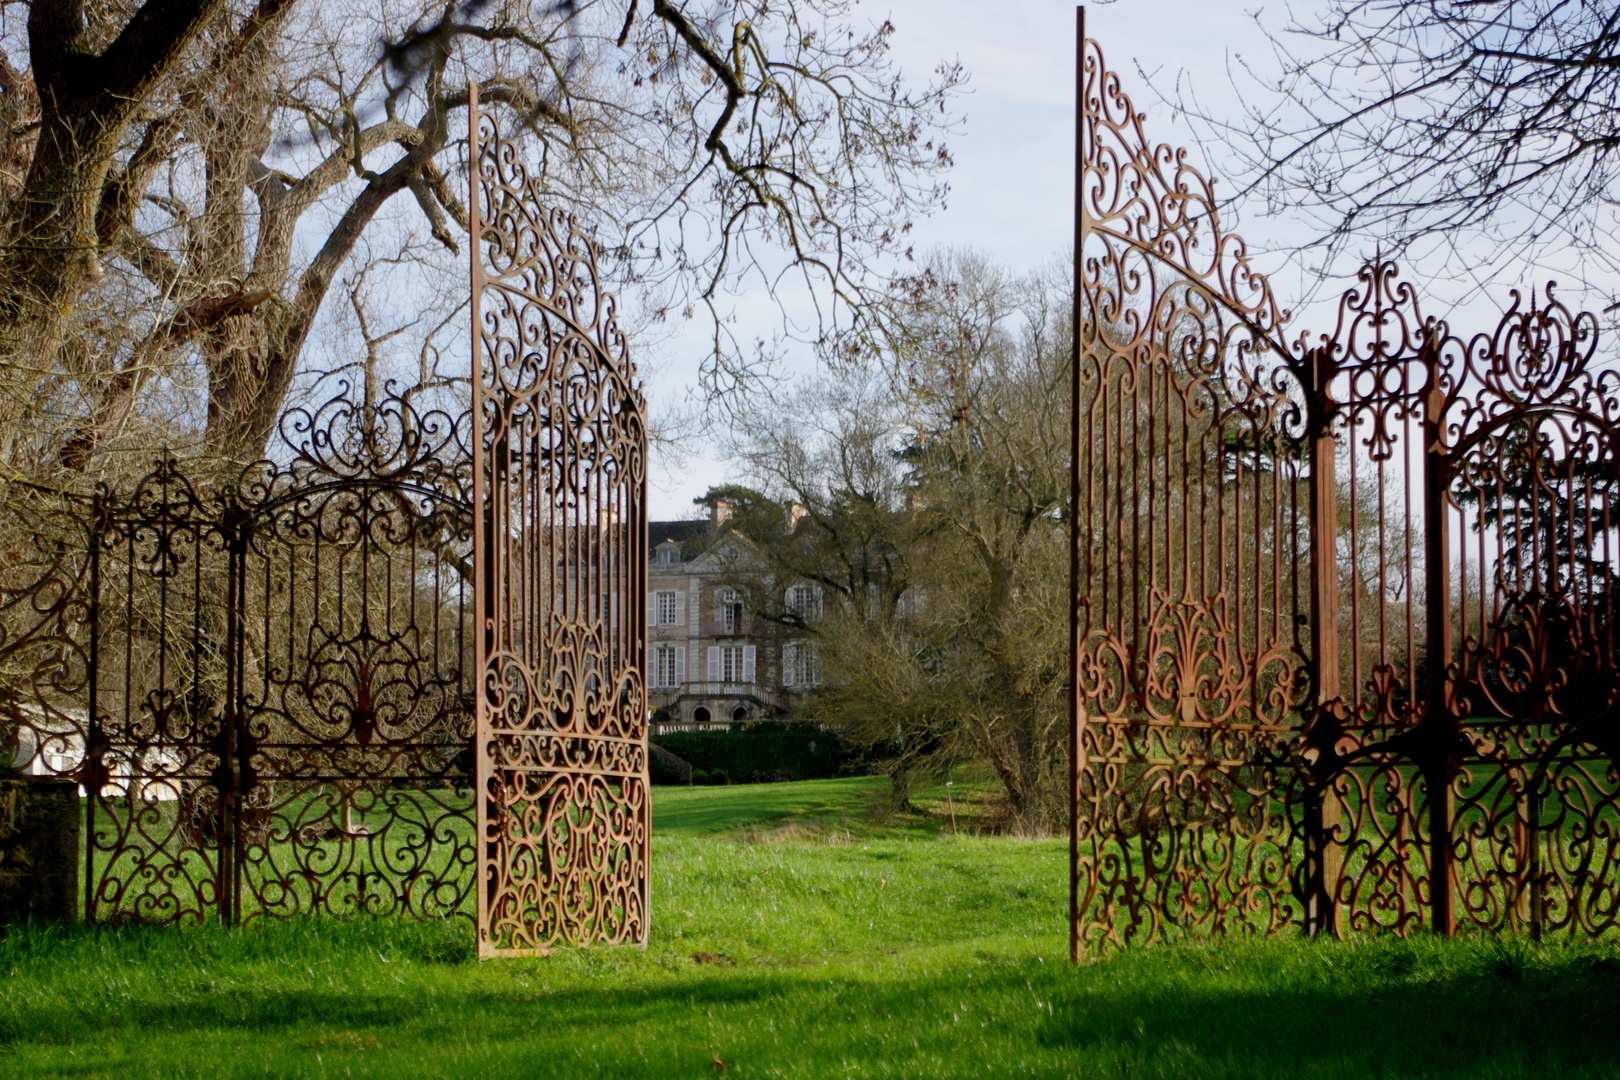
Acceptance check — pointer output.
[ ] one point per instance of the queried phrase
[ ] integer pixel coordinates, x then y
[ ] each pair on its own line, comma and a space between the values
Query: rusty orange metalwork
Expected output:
1318, 580
564, 818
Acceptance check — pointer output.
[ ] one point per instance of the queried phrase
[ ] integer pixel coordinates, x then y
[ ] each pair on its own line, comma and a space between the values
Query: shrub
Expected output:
700, 776
765, 751
660, 773
719, 776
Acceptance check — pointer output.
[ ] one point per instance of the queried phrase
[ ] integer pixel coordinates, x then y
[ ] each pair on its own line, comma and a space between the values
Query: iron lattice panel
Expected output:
280, 678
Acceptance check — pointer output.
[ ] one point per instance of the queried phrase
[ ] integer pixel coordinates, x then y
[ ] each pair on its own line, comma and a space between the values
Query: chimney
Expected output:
719, 513
795, 514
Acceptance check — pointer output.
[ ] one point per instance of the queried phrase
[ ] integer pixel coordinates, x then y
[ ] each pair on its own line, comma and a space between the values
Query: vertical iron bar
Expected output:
1435, 746
1322, 856
230, 773
483, 595
1076, 706
1537, 911
92, 727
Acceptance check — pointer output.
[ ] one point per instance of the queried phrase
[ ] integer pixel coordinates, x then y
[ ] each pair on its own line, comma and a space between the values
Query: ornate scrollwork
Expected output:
1460, 556
1142, 198
561, 466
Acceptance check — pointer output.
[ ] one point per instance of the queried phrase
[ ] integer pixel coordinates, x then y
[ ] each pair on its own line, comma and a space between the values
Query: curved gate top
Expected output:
560, 467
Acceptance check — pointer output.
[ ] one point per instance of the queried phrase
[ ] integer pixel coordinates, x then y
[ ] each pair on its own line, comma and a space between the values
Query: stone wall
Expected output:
39, 848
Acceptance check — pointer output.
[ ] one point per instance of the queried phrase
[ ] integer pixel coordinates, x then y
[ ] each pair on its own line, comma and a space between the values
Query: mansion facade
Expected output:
710, 662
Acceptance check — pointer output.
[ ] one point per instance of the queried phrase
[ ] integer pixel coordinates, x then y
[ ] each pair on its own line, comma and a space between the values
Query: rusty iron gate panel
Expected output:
564, 817
1190, 537
1317, 580
1475, 523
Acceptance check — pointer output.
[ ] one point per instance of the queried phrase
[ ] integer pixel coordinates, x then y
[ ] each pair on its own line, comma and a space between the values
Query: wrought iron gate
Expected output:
276, 694
394, 668
564, 820
1318, 581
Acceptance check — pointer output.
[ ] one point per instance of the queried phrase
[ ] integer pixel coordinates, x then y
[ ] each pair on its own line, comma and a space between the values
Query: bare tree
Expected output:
185, 181
1425, 122
934, 512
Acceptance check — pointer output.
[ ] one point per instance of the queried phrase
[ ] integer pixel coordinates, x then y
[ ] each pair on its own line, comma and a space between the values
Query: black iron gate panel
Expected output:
354, 675
161, 841
564, 819
280, 678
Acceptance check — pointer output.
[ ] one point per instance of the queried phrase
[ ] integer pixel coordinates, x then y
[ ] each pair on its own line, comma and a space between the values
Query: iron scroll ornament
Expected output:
564, 816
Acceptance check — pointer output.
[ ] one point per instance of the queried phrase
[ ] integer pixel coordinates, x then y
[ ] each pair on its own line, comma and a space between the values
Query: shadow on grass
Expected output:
1383, 1008
1392, 1008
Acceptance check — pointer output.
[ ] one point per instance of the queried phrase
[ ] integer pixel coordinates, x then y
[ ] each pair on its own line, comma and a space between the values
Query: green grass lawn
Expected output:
794, 935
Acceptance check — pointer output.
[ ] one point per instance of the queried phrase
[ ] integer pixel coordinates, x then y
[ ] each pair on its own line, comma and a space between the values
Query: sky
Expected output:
1012, 185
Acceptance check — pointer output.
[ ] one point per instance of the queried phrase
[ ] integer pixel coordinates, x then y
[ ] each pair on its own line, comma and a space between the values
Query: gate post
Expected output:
1321, 811
230, 772
1076, 704
1433, 747
89, 767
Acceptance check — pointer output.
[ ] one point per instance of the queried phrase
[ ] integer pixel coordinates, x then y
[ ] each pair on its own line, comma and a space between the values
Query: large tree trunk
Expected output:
87, 101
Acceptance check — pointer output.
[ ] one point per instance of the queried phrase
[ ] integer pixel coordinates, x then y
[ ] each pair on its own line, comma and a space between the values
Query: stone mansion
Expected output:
711, 662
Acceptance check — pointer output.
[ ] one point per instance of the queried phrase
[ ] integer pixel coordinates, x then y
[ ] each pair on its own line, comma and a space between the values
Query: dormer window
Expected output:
668, 554
805, 601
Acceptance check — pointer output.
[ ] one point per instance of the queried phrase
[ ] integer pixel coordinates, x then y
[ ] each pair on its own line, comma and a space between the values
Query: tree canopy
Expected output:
1429, 124
186, 182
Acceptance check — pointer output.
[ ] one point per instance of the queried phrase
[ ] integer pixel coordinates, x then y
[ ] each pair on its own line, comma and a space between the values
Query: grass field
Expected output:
795, 935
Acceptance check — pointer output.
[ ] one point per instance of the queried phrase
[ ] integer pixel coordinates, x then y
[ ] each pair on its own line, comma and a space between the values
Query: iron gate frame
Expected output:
1312, 808
560, 547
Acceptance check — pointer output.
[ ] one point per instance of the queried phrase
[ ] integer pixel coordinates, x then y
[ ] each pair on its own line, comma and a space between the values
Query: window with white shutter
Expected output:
727, 611
666, 666
665, 608
732, 663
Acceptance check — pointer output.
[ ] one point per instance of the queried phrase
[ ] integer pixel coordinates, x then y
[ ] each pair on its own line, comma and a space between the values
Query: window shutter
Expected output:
788, 652
815, 602
680, 665
714, 663
652, 608
748, 664
680, 607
